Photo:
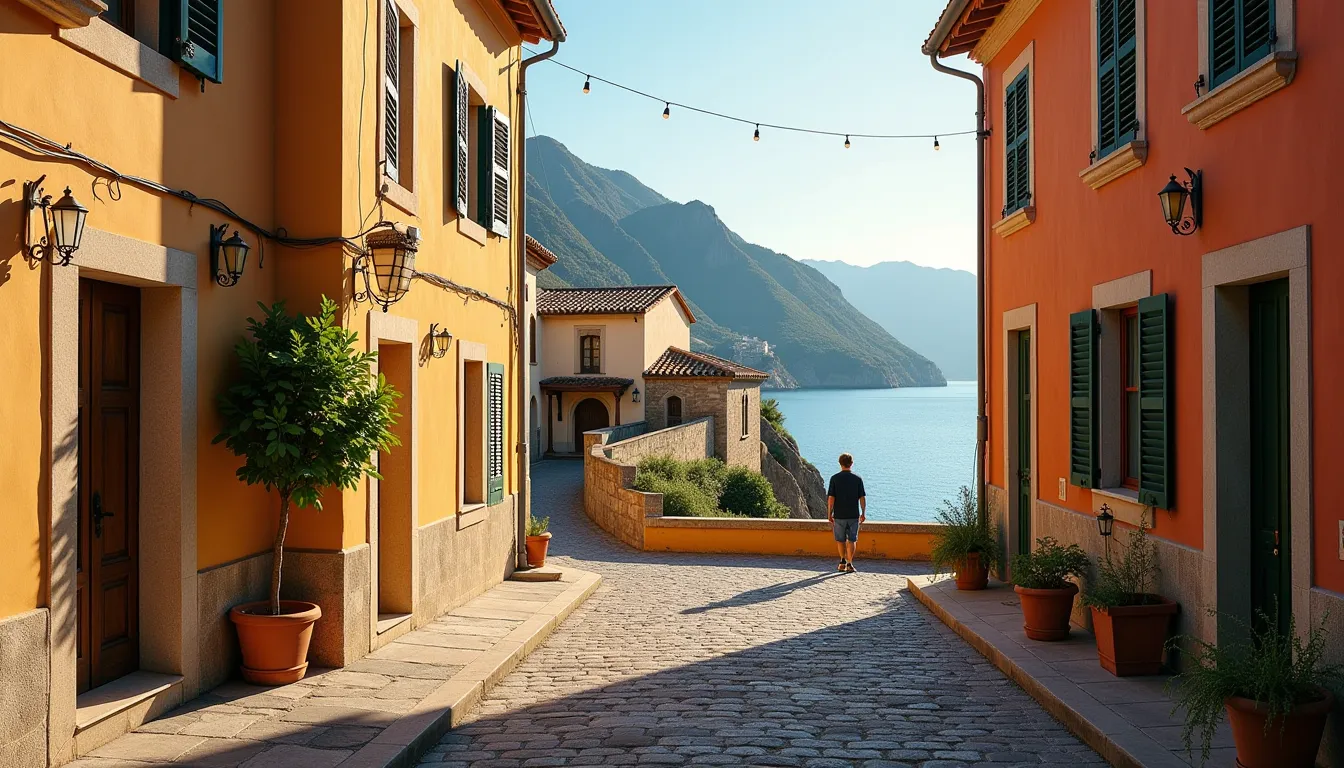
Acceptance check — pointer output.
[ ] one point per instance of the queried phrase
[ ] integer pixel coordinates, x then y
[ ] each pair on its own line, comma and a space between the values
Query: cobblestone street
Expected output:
722, 660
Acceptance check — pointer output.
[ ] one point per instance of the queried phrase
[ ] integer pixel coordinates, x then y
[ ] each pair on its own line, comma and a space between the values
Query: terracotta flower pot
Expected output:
973, 574
275, 648
536, 549
1130, 638
1045, 612
1286, 745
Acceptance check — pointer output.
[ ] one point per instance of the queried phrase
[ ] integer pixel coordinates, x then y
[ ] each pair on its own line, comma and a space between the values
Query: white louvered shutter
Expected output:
461, 140
391, 91
495, 200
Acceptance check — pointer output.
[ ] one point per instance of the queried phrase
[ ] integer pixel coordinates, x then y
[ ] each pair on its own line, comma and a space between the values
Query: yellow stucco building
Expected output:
300, 124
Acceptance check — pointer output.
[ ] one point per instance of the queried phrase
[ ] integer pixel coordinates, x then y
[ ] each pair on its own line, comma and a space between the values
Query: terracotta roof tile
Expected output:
618, 300
679, 364
539, 254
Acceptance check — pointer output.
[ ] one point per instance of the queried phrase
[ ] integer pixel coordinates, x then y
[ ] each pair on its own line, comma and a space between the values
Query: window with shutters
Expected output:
494, 420
397, 94
1128, 448
1017, 144
1240, 33
1246, 54
1117, 74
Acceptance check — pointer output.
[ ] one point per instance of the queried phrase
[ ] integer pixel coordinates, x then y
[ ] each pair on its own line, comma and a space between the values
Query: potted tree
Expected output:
1043, 587
1129, 621
304, 414
538, 540
1273, 687
964, 544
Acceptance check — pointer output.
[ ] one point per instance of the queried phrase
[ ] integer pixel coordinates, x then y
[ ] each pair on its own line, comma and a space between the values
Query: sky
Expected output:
851, 67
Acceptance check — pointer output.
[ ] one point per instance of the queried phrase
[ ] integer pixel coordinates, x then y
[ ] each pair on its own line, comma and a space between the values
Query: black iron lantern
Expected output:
1105, 521
390, 252
634, 396
64, 220
1174, 198
227, 257
439, 340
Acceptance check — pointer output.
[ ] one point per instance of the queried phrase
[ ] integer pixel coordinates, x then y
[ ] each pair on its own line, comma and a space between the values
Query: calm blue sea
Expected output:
914, 447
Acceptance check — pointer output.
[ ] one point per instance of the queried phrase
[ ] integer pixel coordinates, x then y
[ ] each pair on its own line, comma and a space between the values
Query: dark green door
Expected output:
1270, 535
1024, 441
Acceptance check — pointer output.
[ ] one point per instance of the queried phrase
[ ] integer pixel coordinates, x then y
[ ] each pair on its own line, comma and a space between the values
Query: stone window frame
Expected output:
470, 513
1225, 275
667, 409
134, 55
1133, 154
1110, 299
1271, 73
1024, 216
600, 331
1015, 320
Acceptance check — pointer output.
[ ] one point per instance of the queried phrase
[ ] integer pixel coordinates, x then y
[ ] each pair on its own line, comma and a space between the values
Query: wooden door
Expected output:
588, 415
109, 487
1271, 571
1023, 468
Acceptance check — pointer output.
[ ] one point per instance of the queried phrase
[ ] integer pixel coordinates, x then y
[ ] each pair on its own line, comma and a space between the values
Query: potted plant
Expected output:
1043, 587
1274, 689
304, 414
964, 544
538, 540
1129, 621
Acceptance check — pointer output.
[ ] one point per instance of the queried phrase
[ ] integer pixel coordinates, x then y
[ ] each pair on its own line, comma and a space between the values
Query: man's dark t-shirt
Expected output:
847, 488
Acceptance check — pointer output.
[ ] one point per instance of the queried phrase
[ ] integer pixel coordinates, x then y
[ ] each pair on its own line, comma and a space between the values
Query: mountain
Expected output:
610, 229
932, 310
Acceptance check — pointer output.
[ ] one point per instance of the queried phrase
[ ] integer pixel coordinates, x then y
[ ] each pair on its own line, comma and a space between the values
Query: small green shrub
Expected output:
1050, 565
536, 526
749, 494
681, 497
775, 417
1127, 580
962, 534
1274, 668
708, 474
663, 466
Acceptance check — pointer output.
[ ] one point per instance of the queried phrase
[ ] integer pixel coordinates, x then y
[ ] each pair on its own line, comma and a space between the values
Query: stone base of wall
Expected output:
457, 564
217, 590
25, 665
1329, 606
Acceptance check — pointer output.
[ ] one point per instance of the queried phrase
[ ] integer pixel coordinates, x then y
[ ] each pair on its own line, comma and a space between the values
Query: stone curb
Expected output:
1078, 723
413, 734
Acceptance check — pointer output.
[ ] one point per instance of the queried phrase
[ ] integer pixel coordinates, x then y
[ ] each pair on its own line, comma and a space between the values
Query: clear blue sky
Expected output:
853, 66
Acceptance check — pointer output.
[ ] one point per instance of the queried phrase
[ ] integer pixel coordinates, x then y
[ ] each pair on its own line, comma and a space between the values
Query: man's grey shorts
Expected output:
846, 529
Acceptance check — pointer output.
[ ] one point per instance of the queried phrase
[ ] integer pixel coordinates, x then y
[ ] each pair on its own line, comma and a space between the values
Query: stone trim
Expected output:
476, 352
1272, 73
1004, 27
167, 553
1285, 33
1109, 299
1011, 223
1123, 291
1225, 274
1122, 160
25, 668
68, 14
1014, 320
124, 53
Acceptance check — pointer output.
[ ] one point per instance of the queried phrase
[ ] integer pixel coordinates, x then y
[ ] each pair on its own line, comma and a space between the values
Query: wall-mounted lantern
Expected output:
1174, 197
634, 395
1105, 521
64, 219
227, 257
391, 254
439, 340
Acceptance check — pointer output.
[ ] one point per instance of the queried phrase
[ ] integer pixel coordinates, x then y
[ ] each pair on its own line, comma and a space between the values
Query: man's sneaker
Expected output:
841, 566
849, 568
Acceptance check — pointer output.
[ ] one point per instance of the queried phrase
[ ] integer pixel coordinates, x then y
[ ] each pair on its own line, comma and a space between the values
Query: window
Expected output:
398, 89
673, 411
1017, 144
1241, 32
474, 418
121, 14
532, 339
1129, 411
746, 430
590, 354
482, 156
1117, 75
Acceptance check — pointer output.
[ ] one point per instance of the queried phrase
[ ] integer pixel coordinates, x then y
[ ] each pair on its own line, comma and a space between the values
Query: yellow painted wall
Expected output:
666, 325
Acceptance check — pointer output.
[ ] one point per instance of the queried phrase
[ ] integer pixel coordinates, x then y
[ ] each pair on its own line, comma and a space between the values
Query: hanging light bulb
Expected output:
935, 144
757, 136
667, 110
587, 86
846, 142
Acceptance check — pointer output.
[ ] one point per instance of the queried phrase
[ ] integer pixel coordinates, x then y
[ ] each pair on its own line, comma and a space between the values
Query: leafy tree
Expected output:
306, 412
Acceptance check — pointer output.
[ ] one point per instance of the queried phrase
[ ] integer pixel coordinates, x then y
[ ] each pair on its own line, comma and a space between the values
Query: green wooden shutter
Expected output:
192, 31
461, 140
494, 152
1117, 75
1240, 33
1083, 399
391, 91
1155, 402
1017, 155
494, 425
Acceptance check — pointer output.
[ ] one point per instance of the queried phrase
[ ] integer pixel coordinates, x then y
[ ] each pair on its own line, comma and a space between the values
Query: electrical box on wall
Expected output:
1064, 496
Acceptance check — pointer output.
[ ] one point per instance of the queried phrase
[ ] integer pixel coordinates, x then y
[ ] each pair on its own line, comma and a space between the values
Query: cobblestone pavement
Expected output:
684, 659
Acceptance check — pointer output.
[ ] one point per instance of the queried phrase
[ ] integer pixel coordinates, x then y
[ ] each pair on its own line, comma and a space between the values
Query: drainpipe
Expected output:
981, 396
524, 504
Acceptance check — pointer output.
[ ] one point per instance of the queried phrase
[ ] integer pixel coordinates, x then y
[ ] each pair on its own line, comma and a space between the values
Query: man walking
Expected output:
846, 507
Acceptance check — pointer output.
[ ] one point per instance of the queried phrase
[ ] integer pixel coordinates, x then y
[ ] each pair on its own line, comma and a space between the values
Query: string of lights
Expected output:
668, 104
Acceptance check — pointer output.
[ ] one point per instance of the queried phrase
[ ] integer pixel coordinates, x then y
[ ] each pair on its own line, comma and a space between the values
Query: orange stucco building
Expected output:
1182, 377
300, 124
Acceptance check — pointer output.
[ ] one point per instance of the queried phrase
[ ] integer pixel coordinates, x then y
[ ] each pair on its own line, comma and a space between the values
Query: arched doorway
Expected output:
533, 430
589, 414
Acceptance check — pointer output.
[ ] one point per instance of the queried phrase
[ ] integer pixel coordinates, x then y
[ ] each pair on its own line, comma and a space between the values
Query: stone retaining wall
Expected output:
687, 442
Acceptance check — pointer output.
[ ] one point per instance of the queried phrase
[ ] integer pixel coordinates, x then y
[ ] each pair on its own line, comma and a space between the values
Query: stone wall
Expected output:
784, 485
719, 398
742, 436
25, 666
809, 480
687, 442
608, 499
